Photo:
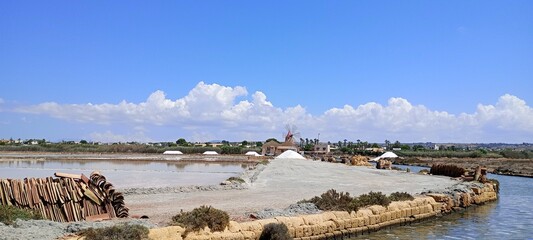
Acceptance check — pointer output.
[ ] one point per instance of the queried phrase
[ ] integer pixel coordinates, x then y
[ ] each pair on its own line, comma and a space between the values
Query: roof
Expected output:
271, 144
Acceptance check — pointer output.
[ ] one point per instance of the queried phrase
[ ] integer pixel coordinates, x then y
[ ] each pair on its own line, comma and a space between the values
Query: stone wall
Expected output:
344, 224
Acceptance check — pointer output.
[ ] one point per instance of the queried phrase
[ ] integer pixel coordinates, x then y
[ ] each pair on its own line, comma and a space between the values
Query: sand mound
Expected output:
290, 154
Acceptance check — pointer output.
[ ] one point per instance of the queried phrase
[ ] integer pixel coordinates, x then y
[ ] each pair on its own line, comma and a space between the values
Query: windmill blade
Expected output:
296, 135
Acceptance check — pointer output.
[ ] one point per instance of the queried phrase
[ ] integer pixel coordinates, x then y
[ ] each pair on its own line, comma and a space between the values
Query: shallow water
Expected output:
128, 174
511, 217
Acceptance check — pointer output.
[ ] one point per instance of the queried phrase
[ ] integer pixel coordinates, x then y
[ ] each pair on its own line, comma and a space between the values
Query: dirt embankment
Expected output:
503, 166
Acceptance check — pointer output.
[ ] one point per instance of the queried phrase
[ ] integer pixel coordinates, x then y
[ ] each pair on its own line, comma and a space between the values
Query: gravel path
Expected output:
282, 183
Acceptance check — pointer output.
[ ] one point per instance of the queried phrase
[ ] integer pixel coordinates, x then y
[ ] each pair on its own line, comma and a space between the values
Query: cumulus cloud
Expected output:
108, 137
214, 111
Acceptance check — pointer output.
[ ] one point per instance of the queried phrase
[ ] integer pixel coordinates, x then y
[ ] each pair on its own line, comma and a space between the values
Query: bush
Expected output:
8, 214
117, 232
230, 150
333, 201
275, 231
372, 198
235, 179
199, 218
400, 196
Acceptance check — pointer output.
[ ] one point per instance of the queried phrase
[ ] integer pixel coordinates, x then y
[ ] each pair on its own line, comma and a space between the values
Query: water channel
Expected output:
510, 217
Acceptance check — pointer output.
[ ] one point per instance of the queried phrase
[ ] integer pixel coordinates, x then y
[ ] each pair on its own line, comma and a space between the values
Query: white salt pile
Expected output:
252, 153
172, 152
210, 153
290, 154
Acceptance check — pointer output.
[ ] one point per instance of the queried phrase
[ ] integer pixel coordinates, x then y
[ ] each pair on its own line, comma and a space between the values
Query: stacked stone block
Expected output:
334, 224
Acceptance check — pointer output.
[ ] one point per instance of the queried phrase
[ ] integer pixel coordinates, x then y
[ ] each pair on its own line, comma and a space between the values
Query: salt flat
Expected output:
283, 182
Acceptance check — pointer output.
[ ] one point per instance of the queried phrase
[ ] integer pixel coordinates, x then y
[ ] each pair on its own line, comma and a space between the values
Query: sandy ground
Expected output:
284, 182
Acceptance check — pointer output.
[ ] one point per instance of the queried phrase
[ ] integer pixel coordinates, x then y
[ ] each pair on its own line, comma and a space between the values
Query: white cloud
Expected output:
108, 137
213, 111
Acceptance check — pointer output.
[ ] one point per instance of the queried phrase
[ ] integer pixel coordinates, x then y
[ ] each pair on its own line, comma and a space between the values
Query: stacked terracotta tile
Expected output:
69, 197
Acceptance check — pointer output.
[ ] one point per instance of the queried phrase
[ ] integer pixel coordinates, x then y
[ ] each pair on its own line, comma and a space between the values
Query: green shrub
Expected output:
400, 196
372, 198
333, 201
117, 232
235, 179
264, 162
230, 150
199, 218
275, 231
8, 214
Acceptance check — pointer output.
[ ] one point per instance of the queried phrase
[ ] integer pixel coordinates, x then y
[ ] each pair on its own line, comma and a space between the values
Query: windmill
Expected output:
291, 133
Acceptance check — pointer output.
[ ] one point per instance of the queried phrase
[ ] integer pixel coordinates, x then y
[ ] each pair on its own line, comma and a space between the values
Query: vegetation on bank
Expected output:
199, 218
275, 231
8, 214
307, 145
124, 148
235, 179
117, 232
341, 201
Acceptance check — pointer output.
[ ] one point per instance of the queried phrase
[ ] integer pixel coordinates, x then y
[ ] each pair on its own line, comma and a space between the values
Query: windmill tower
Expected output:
292, 133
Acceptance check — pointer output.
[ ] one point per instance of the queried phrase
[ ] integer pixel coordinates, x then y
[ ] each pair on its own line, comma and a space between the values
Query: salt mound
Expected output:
210, 153
172, 152
252, 153
290, 154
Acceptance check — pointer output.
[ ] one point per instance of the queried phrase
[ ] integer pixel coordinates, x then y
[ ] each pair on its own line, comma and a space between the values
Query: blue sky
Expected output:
444, 71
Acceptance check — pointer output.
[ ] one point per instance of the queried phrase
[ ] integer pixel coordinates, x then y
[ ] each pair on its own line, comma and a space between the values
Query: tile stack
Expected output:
67, 198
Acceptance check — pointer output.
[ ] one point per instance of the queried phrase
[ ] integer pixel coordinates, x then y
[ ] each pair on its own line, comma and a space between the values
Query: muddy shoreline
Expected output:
500, 166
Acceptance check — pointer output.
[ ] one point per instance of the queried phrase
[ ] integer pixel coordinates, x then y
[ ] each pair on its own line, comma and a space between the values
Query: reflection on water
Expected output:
127, 174
511, 217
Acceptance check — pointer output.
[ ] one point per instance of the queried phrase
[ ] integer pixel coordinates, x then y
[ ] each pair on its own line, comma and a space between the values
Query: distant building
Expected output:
322, 148
375, 149
274, 148
210, 144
